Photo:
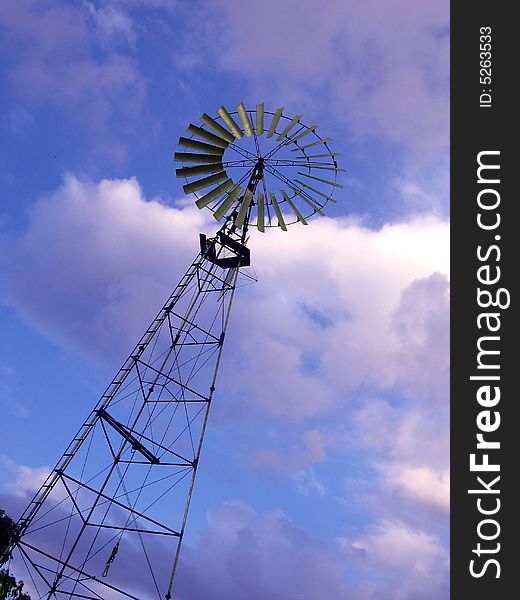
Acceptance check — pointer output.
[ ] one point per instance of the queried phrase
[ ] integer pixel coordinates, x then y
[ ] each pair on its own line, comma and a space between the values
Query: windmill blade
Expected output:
260, 119
320, 179
289, 127
244, 117
228, 201
196, 158
230, 122
298, 214
310, 202
246, 201
305, 185
317, 155
300, 135
214, 193
204, 182
324, 168
323, 141
199, 170
217, 128
274, 122
278, 212
206, 135
201, 146
260, 218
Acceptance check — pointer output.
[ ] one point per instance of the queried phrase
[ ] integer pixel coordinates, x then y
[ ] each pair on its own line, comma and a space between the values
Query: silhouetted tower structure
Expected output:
109, 520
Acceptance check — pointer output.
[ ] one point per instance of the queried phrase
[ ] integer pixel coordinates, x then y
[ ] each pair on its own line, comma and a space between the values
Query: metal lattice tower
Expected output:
109, 520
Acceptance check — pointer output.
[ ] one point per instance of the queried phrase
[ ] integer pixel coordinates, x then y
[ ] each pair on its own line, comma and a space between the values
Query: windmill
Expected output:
109, 520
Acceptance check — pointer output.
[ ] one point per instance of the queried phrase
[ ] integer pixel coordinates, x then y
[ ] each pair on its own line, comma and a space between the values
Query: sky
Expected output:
325, 472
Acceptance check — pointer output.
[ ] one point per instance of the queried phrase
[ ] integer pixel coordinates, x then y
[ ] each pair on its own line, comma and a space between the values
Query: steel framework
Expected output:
109, 520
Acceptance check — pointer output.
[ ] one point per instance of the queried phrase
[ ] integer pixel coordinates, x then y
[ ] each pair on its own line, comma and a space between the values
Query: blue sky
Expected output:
341, 438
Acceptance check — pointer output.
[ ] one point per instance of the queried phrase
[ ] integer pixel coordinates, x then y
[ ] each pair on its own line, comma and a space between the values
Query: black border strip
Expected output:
483, 123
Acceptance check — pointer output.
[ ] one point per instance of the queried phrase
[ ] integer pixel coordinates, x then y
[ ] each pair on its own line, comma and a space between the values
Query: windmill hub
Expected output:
257, 174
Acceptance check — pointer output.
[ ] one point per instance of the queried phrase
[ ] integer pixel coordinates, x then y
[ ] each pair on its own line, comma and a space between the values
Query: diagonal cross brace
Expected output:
123, 431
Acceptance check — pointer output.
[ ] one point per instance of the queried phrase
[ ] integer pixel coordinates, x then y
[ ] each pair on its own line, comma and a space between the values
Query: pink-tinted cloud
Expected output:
415, 563
421, 322
339, 308
408, 447
111, 257
114, 255
27, 480
422, 485
241, 554
381, 66
291, 455
246, 555
109, 253
408, 444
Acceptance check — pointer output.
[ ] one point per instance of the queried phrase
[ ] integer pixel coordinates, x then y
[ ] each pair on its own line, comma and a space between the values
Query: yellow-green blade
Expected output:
290, 125
276, 117
324, 168
208, 136
232, 195
260, 213
298, 214
248, 196
339, 185
244, 117
260, 119
306, 185
200, 146
230, 122
302, 134
217, 128
317, 155
198, 170
204, 182
310, 202
214, 193
278, 212
195, 158
313, 144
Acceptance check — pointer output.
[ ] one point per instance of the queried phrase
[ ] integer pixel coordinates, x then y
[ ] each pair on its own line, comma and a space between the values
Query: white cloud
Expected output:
339, 308
414, 563
110, 260
420, 484
328, 297
27, 480
113, 25
408, 447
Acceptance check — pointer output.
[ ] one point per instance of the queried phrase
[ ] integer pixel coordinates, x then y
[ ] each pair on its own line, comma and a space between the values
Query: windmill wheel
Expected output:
264, 168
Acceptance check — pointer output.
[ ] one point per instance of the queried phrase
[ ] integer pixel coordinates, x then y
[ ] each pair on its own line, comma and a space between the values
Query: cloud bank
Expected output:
345, 352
